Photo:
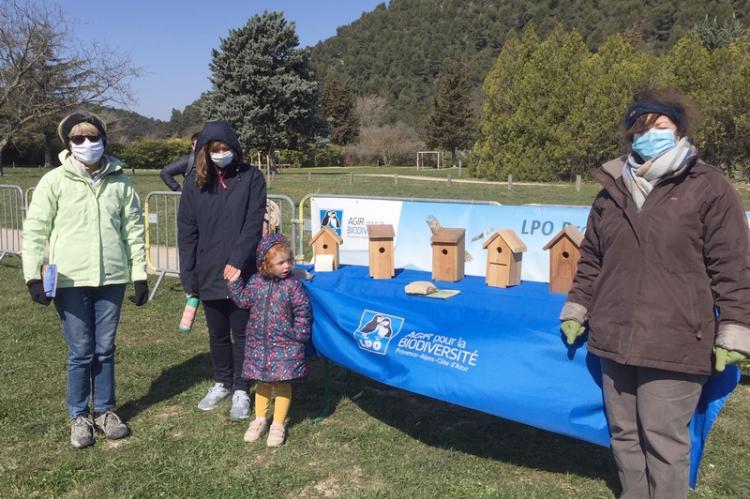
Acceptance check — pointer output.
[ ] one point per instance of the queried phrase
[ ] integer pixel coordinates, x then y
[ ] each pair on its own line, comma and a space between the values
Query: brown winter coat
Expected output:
649, 281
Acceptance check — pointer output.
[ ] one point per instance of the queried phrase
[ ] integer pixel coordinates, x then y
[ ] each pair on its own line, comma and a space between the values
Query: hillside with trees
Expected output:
397, 51
453, 74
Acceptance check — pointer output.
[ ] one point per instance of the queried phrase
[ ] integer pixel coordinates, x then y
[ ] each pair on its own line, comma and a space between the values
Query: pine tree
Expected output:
262, 84
338, 106
451, 124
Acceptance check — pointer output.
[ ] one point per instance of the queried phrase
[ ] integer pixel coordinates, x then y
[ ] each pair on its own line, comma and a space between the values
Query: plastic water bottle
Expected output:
188, 315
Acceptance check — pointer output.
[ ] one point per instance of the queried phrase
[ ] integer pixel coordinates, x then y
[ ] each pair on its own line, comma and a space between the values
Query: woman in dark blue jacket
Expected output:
219, 226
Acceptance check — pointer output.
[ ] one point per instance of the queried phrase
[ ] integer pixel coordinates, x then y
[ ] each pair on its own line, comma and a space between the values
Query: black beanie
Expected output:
71, 120
641, 107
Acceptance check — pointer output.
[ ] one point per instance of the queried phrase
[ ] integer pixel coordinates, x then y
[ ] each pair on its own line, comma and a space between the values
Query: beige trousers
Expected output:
649, 412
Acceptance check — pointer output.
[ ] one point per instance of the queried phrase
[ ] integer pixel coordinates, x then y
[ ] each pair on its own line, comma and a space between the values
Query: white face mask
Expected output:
222, 159
88, 153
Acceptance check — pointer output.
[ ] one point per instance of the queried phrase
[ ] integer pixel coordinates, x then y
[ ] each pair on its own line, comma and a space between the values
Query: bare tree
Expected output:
370, 110
46, 72
387, 144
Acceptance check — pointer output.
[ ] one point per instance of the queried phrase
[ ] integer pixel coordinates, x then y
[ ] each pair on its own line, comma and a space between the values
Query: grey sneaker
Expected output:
257, 428
276, 435
213, 398
81, 432
111, 425
240, 405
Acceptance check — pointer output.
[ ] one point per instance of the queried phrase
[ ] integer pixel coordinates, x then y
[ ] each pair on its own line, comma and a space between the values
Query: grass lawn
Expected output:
378, 441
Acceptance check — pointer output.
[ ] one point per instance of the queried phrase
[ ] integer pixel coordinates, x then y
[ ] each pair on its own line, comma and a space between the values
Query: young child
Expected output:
277, 330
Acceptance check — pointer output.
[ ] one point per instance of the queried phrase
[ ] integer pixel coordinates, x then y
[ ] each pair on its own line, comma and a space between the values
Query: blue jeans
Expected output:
89, 318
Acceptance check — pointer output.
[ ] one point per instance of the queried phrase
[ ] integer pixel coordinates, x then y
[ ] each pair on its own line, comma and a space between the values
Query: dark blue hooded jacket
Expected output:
216, 225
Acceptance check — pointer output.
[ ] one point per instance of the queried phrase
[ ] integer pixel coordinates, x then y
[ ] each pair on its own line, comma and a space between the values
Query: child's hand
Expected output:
231, 273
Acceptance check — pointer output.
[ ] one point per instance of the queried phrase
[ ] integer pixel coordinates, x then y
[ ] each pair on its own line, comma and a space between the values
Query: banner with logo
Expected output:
496, 350
415, 221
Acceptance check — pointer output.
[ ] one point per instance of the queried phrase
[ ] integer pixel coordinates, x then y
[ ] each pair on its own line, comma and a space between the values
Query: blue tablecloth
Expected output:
495, 350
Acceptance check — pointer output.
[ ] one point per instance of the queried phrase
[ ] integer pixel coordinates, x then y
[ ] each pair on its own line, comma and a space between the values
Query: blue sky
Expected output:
171, 40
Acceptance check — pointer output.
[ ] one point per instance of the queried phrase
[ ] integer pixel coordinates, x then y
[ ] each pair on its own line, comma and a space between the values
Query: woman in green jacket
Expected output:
88, 213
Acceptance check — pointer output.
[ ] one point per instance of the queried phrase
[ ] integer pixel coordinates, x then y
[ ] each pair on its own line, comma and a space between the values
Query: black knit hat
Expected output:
71, 120
641, 107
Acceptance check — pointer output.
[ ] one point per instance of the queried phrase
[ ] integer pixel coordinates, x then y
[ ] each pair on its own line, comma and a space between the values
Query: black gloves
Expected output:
141, 293
36, 290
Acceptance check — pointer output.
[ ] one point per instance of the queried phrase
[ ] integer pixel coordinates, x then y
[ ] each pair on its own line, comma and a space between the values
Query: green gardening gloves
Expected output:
572, 329
724, 357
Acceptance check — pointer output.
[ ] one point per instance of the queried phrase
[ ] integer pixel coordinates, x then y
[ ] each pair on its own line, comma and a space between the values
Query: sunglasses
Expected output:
78, 139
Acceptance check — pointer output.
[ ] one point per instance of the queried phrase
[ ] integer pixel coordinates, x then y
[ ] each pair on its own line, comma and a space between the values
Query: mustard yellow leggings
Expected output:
264, 393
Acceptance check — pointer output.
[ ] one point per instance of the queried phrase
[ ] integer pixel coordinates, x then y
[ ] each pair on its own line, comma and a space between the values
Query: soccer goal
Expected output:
421, 157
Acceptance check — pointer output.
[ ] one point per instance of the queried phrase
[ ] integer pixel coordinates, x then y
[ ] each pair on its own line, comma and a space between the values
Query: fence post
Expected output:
309, 176
395, 179
449, 180
510, 181
351, 178
578, 183
459, 167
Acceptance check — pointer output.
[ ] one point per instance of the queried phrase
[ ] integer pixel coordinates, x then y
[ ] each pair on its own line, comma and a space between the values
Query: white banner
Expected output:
415, 221
349, 218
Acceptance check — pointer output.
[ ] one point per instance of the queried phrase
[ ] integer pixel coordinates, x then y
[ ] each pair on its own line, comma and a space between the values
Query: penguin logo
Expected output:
376, 330
331, 219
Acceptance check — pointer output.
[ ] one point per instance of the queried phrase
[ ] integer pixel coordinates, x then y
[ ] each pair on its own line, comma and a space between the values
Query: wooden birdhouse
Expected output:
448, 254
380, 238
504, 252
564, 253
326, 244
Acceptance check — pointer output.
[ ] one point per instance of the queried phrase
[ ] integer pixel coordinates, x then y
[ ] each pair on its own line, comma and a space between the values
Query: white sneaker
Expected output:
240, 405
111, 425
81, 432
276, 435
257, 428
213, 398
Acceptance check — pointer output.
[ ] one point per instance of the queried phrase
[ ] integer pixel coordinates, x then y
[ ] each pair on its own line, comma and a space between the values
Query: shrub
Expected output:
153, 153
312, 155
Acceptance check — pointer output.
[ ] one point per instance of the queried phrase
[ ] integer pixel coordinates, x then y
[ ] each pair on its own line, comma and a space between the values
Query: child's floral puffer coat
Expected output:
279, 324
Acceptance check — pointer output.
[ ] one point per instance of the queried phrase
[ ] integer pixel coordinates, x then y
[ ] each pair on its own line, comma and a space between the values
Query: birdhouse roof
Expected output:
571, 231
510, 238
380, 231
444, 235
328, 232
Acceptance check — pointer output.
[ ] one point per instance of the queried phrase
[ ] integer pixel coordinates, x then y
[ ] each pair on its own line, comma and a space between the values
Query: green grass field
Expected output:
378, 441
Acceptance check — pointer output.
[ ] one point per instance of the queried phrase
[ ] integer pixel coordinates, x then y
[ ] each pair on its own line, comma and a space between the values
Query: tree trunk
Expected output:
3, 143
453, 155
269, 154
48, 139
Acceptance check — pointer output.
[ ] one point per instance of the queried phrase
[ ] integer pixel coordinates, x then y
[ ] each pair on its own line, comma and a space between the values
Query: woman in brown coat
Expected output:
663, 281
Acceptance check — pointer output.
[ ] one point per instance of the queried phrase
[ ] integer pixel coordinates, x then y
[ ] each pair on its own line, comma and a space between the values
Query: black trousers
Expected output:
227, 350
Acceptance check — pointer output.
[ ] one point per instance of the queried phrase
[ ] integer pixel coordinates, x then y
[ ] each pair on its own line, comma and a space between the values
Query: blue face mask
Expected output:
653, 143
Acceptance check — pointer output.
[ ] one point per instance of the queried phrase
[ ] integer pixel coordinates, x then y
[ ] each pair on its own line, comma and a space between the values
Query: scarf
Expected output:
640, 178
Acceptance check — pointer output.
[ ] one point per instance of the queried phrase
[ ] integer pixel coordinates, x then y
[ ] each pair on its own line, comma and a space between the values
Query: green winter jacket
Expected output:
95, 234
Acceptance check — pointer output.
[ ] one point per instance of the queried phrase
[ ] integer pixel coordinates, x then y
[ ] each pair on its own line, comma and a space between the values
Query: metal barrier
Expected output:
160, 215
27, 198
303, 227
12, 213
287, 227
